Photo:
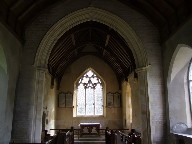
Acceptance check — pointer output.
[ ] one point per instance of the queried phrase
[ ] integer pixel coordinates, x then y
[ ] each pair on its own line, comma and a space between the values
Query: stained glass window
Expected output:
89, 95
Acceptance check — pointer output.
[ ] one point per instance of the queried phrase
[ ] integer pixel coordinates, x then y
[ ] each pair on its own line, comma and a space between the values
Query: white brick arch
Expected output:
136, 45
90, 14
141, 36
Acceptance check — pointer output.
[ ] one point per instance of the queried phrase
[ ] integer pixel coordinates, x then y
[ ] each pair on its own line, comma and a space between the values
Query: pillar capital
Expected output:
142, 69
39, 68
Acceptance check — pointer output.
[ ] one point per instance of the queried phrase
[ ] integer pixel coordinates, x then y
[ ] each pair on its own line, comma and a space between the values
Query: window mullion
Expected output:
94, 99
90, 89
85, 101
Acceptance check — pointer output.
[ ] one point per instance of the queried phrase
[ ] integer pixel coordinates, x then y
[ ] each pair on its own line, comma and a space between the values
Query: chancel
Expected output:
101, 71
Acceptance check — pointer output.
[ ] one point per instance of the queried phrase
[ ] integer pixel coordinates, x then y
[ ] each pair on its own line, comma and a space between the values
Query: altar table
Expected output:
89, 127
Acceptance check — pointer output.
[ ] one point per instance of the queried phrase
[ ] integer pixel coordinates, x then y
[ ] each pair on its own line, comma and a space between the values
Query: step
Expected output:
90, 139
89, 142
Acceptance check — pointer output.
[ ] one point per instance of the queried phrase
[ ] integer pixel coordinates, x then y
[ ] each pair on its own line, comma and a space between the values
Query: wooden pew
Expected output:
110, 136
135, 136
117, 136
132, 137
65, 136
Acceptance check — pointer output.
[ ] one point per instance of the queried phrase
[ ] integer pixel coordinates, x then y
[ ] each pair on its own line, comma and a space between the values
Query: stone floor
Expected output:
90, 139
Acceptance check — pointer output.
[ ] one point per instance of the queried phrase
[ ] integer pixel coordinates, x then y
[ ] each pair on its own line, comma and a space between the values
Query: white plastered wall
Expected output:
178, 97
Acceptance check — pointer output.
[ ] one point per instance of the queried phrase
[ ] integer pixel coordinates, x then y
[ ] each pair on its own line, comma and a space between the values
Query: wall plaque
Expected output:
113, 99
110, 99
65, 99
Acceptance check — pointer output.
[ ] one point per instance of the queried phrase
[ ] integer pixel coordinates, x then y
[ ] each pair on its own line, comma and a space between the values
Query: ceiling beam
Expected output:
73, 39
107, 40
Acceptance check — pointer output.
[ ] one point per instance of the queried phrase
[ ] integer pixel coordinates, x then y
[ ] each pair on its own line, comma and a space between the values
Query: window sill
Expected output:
183, 134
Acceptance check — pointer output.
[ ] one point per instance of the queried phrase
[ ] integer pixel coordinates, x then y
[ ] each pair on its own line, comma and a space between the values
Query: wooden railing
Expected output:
118, 136
64, 136
112, 136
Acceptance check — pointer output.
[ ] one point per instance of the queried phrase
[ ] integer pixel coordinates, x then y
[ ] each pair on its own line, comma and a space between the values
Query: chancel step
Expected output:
89, 139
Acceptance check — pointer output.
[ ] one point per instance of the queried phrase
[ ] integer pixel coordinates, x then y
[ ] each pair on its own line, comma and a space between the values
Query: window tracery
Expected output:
89, 95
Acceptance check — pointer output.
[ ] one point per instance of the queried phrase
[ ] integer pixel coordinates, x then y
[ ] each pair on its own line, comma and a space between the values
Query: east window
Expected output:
89, 100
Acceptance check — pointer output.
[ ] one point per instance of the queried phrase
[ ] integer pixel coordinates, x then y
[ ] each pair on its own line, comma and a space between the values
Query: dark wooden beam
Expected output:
107, 40
73, 39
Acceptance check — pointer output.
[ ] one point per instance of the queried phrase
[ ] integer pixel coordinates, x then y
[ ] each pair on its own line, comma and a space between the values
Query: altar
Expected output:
89, 127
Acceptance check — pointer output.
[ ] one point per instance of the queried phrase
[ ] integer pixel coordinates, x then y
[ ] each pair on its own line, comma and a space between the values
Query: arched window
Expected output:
190, 80
89, 95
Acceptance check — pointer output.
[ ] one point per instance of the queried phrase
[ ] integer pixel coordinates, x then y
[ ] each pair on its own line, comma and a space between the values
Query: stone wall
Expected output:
177, 99
131, 104
49, 105
136, 103
126, 115
113, 116
175, 70
9, 70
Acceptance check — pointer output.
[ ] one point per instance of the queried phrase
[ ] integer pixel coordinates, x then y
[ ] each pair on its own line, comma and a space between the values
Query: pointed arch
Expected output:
90, 14
131, 38
178, 94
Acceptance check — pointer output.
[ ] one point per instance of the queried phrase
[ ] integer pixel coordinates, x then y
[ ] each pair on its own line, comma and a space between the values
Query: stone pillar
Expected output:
38, 104
144, 100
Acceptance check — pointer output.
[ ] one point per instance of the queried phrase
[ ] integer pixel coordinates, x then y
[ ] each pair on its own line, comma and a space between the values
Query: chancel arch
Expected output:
139, 45
119, 25
46, 45
90, 14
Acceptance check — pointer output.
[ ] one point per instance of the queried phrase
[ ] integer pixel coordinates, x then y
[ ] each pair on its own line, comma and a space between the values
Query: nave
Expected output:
92, 135
120, 63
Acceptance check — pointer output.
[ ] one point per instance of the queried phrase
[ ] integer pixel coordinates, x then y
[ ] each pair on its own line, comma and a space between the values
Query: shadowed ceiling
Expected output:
92, 38
167, 15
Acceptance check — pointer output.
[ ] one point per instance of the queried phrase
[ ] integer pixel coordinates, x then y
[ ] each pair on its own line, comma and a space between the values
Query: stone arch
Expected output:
178, 97
90, 14
119, 25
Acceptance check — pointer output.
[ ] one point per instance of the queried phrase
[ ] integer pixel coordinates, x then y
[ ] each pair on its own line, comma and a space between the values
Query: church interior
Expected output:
122, 64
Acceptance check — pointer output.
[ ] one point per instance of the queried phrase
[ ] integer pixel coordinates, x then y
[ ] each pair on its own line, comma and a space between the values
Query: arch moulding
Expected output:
90, 14
114, 22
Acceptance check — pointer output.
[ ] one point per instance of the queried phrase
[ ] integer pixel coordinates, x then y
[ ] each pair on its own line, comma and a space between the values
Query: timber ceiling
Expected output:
92, 38
167, 15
